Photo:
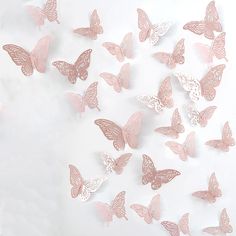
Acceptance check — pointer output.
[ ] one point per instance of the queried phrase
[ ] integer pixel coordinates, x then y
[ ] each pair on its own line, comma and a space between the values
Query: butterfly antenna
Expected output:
58, 22
98, 108
126, 217
226, 59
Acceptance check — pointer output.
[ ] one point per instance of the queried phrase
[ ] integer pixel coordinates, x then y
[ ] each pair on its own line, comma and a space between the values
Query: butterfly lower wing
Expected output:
171, 227
114, 50
178, 149
111, 80
50, 10
154, 207
118, 205
76, 181
143, 212
124, 75
144, 25
37, 15
184, 224
105, 211
205, 115
121, 162
90, 96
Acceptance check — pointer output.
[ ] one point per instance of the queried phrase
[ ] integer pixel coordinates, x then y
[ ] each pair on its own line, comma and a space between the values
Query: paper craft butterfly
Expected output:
83, 188
76, 70
29, 61
148, 30
118, 81
93, 30
150, 213
208, 25
156, 177
122, 135
171, 59
125, 49
225, 142
175, 128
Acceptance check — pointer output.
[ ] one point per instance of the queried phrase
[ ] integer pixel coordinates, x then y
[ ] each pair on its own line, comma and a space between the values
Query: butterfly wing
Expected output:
105, 211
165, 58
197, 27
118, 205
227, 135
178, 149
225, 222
178, 53
77, 102
76, 181
204, 52
127, 45
204, 195
189, 144
148, 170
50, 10
143, 212
124, 76
90, 96
171, 227
114, 50
108, 161
184, 224
213, 186
144, 25
213, 230
111, 80
218, 46
154, 207
121, 162
165, 93
37, 15
205, 115
87, 32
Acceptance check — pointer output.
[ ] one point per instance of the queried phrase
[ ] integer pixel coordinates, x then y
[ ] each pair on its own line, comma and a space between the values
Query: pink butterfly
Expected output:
120, 136
226, 141
123, 50
152, 212
30, 60
156, 177
224, 227
213, 191
183, 150
175, 128
118, 81
171, 59
208, 25
78, 69
94, 29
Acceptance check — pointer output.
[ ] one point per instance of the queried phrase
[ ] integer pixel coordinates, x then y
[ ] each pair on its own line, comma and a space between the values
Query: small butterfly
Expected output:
123, 50
30, 60
120, 136
225, 142
224, 226
118, 81
183, 150
175, 128
171, 59
152, 212
156, 177
78, 69
208, 25
81, 187
93, 30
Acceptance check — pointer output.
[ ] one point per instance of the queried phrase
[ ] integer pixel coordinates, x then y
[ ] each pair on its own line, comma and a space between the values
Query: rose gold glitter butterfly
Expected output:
171, 59
30, 60
125, 49
225, 142
81, 187
152, 212
183, 150
224, 226
208, 25
93, 30
117, 208
120, 136
78, 69
118, 81
175, 229
156, 177
175, 128
213, 191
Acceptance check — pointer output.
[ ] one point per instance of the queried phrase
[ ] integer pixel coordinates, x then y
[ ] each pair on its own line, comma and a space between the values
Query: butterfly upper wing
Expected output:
144, 25
90, 96
204, 195
178, 53
154, 207
178, 149
218, 46
165, 93
112, 80
121, 162
37, 14
158, 30
225, 222
184, 224
118, 205
87, 32
127, 45
213, 186
189, 144
204, 52
124, 76
197, 27
114, 50
77, 101
171, 227
213, 230
148, 169
205, 115
50, 10
227, 135
94, 184
76, 181
105, 211
165, 58
143, 212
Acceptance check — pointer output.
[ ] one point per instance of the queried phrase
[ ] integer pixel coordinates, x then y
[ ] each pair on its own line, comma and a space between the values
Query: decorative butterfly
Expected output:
213, 191
30, 60
161, 100
152, 212
156, 177
117, 208
171, 59
123, 50
118, 81
224, 226
83, 188
183, 150
208, 25
78, 69
175, 128
94, 29
120, 136
148, 30
225, 142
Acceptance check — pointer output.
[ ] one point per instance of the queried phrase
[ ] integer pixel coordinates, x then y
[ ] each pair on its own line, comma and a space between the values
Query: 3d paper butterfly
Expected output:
213, 191
183, 150
117, 208
120, 136
83, 188
118, 81
175, 128
161, 100
225, 142
30, 60
156, 177
171, 59
78, 69
152, 212
148, 30
224, 227
94, 29
125, 49
208, 25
